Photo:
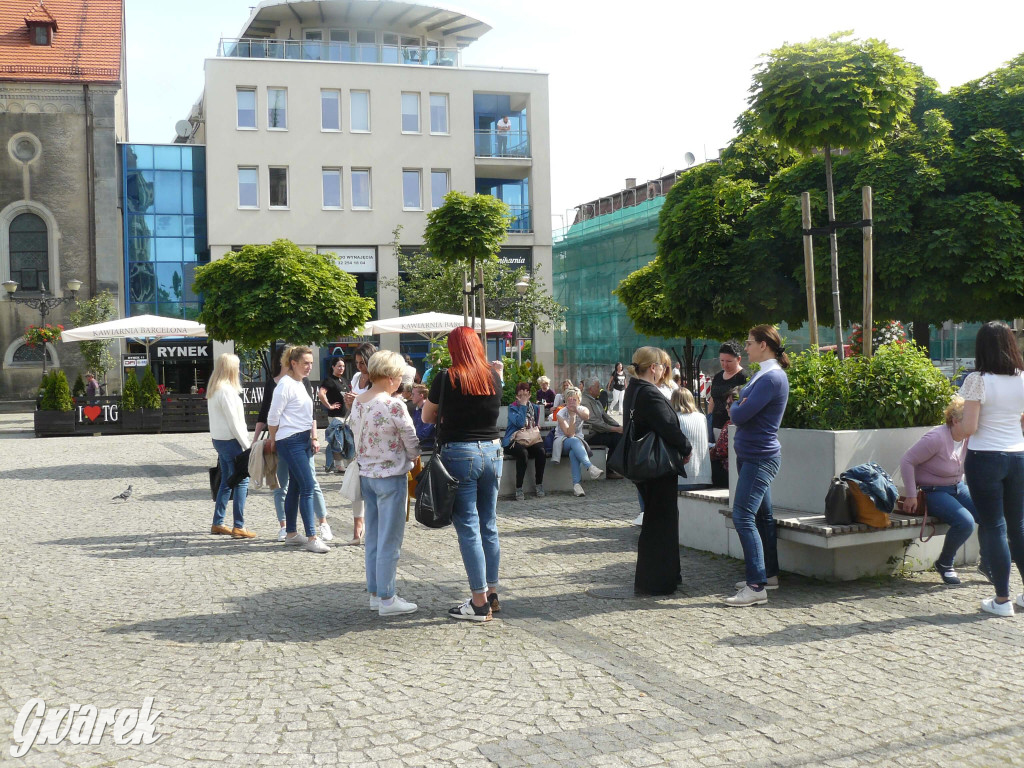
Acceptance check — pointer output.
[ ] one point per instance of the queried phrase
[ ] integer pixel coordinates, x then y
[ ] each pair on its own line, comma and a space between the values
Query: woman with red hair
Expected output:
467, 439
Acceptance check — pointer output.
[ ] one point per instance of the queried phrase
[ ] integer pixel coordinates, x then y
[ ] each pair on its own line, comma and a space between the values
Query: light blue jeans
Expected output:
319, 503
477, 467
578, 459
753, 519
296, 452
384, 517
227, 450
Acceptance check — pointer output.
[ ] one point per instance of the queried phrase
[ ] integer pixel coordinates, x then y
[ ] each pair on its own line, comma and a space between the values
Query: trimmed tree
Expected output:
131, 398
832, 93
149, 394
97, 309
279, 291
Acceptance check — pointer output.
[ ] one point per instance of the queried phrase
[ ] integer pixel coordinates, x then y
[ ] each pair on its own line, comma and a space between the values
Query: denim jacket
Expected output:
876, 483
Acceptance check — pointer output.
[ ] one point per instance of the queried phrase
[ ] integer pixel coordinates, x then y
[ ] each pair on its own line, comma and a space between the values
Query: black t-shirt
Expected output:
619, 381
466, 418
720, 388
335, 390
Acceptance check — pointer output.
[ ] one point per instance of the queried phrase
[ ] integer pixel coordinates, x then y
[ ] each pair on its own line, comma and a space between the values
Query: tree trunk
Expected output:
833, 243
922, 333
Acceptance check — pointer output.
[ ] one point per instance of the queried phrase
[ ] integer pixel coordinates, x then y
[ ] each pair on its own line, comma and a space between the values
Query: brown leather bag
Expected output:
864, 509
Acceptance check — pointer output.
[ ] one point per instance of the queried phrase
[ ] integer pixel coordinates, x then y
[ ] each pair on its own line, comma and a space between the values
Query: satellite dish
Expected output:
184, 128
689, 159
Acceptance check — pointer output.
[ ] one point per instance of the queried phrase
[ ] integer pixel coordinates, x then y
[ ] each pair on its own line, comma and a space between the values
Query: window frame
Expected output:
419, 189
352, 112
285, 109
255, 109
337, 93
369, 189
255, 169
448, 185
341, 194
419, 119
447, 120
270, 188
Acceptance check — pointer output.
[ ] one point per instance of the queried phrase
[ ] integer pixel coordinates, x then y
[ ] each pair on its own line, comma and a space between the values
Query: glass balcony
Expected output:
358, 53
512, 143
523, 219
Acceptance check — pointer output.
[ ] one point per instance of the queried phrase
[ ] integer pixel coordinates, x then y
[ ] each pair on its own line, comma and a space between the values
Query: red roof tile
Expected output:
86, 46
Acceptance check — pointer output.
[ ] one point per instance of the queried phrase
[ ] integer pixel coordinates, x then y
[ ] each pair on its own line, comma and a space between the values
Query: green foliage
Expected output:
832, 92
466, 228
56, 392
78, 388
149, 395
279, 291
432, 284
96, 354
643, 294
438, 358
513, 374
897, 387
131, 398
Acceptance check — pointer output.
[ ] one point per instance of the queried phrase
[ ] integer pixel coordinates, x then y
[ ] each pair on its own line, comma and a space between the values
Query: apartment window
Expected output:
439, 113
438, 188
248, 188
411, 190
245, 99
359, 111
330, 110
410, 113
277, 109
332, 187
278, 187
361, 188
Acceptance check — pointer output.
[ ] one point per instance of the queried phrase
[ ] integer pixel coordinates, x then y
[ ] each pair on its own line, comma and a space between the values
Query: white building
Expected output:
329, 123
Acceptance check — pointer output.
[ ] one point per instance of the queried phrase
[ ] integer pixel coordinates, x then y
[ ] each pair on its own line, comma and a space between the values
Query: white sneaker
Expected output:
1020, 599
577, 490
282, 534
773, 583
298, 538
748, 596
317, 546
999, 609
374, 603
398, 605
594, 471
639, 519
325, 531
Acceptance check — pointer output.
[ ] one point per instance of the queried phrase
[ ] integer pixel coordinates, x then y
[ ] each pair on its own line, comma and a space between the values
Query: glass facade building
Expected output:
164, 204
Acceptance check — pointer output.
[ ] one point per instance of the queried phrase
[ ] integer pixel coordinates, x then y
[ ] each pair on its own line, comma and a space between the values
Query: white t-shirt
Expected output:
291, 409
359, 385
1002, 403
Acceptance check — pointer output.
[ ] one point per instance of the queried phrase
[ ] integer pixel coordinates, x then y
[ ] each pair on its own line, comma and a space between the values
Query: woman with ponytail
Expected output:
757, 415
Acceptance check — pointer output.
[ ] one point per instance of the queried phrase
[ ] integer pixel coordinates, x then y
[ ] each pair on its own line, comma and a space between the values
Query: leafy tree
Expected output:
832, 93
78, 388
431, 284
131, 398
97, 309
279, 291
149, 394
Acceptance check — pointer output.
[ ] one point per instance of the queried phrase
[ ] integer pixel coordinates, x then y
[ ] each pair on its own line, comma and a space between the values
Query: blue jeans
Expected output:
952, 505
477, 467
296, 451
319, 503
329, 441
996, 480
227, 450
578, 459
752, 517
384, 513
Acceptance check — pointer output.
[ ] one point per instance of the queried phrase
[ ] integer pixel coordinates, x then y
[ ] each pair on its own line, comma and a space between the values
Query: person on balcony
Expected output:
503, 128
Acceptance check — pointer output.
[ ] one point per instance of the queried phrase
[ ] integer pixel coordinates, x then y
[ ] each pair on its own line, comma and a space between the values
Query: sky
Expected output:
633, 86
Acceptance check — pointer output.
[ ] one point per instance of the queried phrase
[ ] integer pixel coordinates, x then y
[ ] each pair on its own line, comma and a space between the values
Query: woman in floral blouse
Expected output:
386, 446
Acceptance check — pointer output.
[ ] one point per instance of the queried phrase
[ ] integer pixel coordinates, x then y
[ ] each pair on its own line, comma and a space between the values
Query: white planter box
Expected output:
812, 457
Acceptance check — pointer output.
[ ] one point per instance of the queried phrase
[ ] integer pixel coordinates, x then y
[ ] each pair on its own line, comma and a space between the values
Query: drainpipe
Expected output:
90, 175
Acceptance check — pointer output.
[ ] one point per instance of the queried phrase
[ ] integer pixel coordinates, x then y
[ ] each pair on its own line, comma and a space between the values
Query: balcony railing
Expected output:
359, 53
522, 219
513, 143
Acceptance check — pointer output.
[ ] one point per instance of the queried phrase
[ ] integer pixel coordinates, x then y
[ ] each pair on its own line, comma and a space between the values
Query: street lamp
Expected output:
521, 288
43, 302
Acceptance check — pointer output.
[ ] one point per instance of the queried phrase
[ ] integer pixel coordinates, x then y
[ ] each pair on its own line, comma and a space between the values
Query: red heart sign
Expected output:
92, 412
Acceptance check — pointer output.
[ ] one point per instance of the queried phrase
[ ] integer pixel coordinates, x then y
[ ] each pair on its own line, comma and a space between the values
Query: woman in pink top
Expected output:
935, 465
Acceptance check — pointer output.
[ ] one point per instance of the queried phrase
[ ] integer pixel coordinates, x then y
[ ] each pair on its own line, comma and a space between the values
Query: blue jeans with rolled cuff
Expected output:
952, 504
319, 502
477, 466
227, 451
753, 519
384, 513
296, 452
996, 483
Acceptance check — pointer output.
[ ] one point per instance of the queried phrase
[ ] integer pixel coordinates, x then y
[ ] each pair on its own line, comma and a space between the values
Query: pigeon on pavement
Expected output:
124, 494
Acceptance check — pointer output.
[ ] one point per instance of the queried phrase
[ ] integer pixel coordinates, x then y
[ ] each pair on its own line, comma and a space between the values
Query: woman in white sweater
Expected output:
694, 425
230, 438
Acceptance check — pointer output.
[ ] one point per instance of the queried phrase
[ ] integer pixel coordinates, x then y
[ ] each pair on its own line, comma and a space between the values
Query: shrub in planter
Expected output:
898, 387
78, 390
149, 392
131, 397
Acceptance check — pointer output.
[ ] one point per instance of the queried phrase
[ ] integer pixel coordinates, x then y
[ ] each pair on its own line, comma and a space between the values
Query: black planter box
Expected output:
54, 423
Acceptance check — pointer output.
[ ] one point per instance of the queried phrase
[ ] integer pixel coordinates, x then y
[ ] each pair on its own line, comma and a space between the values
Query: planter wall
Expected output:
54, 423
812, 457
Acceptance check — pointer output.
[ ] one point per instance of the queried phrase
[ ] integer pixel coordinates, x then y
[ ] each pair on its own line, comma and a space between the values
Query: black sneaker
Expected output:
492, 600
470, 612
984, 571
947, 573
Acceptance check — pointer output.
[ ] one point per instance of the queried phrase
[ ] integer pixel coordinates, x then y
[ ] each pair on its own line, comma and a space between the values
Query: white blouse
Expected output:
1002, 403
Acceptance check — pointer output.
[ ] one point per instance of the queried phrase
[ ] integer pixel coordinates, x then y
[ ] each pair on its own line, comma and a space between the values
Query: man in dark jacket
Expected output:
602, 429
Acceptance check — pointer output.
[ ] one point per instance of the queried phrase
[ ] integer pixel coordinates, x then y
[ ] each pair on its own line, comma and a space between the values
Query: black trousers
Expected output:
609, 439
657, 557
522, 454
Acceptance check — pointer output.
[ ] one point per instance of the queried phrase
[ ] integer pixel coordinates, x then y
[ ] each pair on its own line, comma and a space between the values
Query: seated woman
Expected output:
560, 397
523, 415
569, 437
545, 394
935, 465
694, 425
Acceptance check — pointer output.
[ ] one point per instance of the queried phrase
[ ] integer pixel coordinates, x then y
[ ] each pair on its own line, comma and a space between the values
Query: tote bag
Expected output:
435, 492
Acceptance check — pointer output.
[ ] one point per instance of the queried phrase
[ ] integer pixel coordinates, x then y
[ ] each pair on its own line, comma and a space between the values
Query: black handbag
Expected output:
645, 459
435, 487
215, 482
837, 503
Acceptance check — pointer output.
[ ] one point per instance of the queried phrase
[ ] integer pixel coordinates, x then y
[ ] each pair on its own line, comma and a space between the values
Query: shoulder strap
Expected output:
438, 442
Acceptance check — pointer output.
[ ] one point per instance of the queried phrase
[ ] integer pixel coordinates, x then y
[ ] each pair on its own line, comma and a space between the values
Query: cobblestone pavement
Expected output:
260, 654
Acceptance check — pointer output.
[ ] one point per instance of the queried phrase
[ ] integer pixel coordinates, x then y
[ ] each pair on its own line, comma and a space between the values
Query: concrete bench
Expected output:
557, 477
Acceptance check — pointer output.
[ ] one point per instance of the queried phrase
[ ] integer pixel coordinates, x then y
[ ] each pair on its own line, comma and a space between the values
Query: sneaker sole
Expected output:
741, 584
473, 617
747, 605
396, 613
